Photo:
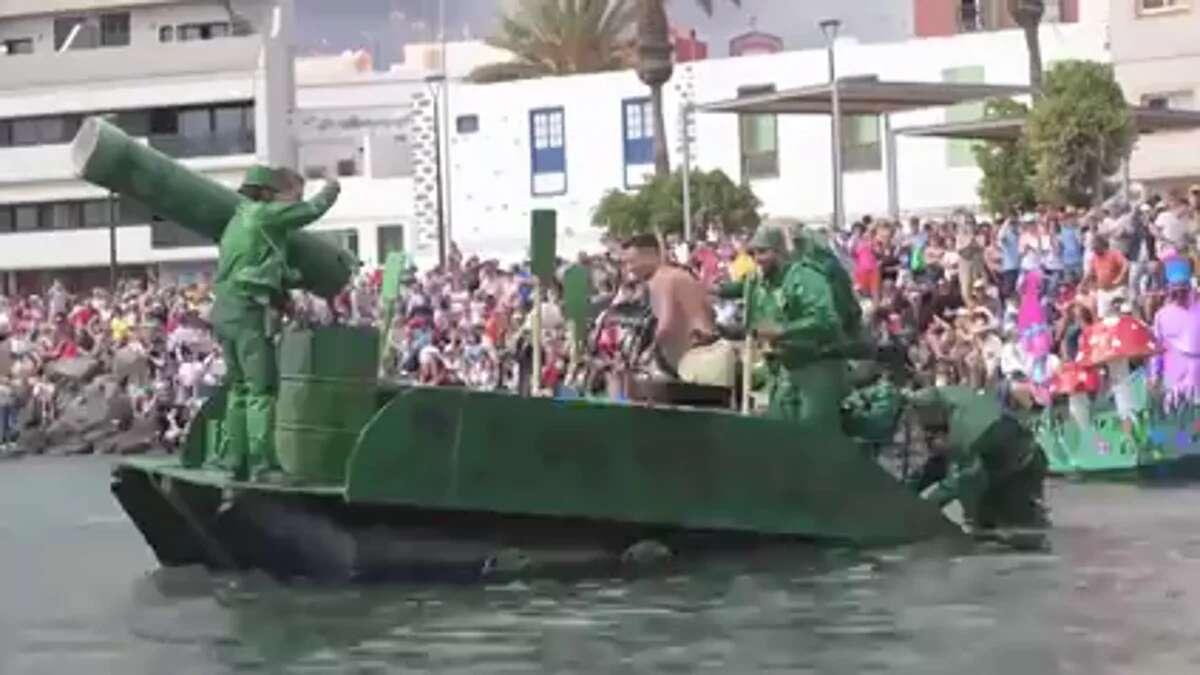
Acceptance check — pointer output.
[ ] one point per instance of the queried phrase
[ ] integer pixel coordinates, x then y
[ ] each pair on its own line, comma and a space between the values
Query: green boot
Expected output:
232, 448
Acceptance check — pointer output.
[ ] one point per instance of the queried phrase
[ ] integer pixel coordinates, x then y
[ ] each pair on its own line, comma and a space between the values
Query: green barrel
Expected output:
327, 394
104, 155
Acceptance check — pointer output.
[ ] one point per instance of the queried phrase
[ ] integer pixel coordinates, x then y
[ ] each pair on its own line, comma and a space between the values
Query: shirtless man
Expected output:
686, 344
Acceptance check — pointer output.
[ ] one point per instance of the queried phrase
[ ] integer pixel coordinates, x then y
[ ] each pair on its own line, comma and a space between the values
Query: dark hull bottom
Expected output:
289, 534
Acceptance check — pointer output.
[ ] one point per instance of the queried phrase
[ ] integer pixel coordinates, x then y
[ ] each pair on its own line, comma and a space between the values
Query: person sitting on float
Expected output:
1176, 370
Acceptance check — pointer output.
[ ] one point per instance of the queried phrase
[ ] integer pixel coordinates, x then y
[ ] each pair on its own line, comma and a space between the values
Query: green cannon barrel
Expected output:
104, 155
327, 394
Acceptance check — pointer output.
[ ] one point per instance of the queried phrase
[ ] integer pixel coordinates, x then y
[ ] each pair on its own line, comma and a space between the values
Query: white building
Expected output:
561, 143
186, 76
1156, 61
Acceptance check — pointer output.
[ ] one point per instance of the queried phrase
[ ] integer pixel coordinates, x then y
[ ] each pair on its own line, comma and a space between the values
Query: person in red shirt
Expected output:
1107, 273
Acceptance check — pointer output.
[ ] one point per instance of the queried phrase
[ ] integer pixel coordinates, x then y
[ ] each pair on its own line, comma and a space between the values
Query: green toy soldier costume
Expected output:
996, 468
252, 274
792, 308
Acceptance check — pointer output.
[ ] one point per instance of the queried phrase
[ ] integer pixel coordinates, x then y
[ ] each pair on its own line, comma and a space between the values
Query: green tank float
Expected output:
392, 480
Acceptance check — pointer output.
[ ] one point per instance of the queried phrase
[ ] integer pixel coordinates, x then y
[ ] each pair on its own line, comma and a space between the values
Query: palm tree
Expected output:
654, 66
1028, 15
561, 37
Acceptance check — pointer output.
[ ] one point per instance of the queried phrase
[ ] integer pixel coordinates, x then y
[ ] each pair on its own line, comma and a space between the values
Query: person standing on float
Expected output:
252, 273
1177, 330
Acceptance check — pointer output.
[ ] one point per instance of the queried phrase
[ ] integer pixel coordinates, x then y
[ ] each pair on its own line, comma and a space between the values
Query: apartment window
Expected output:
389, 239
314, 172
347, 167
114, 29
347, 239
637, 130
5, 133
40, 130
18, 46
1158, 6
970, 19
164, 121
466, 124
201, 132
96, 213
6, 218
29, 217
960, 153
759, 138
861, 148
65, 26
547, 133
189, 32
1175, 100
166, 34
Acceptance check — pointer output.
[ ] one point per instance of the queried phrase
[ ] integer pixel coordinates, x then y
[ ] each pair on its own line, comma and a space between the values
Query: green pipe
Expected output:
104, 155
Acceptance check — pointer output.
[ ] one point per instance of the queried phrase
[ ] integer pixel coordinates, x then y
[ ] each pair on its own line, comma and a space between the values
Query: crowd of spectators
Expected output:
961, 296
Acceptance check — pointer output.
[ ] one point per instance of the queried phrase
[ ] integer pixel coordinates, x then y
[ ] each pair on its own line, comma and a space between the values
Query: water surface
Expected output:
1118, 593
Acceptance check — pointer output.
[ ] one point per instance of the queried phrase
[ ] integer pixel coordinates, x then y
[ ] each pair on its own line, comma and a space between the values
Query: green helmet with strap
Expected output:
260, 176
769, 239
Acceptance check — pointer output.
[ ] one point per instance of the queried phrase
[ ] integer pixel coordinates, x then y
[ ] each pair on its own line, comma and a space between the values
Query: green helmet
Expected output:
260, 176
768, 238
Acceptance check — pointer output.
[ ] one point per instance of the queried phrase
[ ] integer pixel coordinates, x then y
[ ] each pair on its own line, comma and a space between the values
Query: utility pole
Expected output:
829, 28
112, 244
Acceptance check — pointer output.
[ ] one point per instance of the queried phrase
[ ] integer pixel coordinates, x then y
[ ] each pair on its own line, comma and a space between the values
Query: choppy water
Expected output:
1119, 593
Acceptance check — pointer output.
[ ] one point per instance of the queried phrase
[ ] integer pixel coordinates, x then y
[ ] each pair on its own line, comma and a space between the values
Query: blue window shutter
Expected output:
637, 125
548, 151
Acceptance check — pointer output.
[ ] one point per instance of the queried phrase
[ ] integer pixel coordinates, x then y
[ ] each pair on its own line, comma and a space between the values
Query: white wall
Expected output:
490, 187
1156, 54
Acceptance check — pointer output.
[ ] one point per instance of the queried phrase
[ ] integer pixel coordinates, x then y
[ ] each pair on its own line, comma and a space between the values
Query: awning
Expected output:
1148, 121
863, 96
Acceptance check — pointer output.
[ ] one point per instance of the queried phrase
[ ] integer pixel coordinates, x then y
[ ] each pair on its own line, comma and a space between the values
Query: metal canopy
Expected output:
863, 96
1147, 120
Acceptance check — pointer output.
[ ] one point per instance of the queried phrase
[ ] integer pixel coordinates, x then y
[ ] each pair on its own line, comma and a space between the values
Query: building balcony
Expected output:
55, 69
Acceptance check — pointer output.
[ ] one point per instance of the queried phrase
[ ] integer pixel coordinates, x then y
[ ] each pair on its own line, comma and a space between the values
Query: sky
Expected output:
381, 25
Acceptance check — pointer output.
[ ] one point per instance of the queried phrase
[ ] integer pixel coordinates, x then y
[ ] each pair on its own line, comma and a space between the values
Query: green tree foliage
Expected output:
657, 207
561, 37
1079, 132
1006, 165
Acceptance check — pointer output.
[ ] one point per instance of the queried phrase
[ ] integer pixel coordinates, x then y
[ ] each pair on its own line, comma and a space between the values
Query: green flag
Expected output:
542, 237
577, 294
393, 273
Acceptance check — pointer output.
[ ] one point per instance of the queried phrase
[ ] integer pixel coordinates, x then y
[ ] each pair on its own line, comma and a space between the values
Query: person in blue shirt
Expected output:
1070, 241
1009, 240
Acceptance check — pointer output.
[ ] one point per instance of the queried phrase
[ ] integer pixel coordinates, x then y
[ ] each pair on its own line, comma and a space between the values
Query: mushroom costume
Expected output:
1077, 382
1113, 342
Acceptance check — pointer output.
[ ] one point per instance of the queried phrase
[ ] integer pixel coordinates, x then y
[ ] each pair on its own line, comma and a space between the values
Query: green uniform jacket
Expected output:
799, 301
252, 264
822, 260
977, 443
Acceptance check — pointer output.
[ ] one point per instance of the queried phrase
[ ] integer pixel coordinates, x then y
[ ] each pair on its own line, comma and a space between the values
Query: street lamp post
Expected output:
435, 83
829, 28
685, 115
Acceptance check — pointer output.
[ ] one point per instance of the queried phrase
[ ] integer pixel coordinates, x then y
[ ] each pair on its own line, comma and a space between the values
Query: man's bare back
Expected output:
682, 308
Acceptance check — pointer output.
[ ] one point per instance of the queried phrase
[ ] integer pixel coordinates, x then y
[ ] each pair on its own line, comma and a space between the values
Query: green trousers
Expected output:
812, 392
251, 381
